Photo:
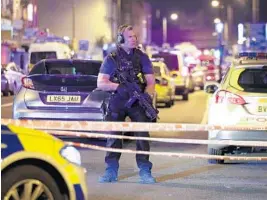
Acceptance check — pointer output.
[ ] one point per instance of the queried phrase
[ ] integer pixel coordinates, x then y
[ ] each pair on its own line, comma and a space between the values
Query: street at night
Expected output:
133, 99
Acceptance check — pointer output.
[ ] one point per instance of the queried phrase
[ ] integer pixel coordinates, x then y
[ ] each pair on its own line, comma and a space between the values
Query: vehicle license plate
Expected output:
63, 99
262, 109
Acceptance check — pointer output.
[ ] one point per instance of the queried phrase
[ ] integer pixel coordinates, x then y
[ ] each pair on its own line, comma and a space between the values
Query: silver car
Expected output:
14, 75
61, 89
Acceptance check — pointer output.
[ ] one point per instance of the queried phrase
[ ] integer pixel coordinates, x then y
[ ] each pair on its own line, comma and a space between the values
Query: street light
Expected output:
219, 28
216, 21
173, 16
215, 3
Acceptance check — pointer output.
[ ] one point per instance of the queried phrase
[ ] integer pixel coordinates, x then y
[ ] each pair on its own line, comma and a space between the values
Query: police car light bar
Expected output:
50, 39
252, 55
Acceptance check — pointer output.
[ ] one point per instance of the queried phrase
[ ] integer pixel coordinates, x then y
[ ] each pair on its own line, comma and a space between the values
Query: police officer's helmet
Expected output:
122, 28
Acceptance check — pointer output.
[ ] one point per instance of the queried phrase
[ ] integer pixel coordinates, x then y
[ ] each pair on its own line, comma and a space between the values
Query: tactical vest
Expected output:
130, 65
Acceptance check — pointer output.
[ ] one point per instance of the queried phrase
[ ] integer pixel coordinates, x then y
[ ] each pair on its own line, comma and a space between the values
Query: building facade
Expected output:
94, 21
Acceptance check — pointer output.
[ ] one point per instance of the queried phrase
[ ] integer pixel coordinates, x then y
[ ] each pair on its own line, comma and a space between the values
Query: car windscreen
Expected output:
67, 67
171, 60
254, 80
37, 56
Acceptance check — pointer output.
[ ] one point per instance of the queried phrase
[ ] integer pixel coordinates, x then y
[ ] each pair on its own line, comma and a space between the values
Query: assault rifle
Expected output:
136, 94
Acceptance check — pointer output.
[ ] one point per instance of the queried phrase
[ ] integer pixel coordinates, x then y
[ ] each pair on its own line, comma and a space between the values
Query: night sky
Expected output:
197, 16
242, 8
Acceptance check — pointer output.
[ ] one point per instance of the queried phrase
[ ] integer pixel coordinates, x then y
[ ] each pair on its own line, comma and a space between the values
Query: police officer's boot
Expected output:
146, 177
109, 176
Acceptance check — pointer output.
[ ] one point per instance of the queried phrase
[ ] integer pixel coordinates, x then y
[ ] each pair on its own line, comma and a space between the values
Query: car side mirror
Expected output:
210, 89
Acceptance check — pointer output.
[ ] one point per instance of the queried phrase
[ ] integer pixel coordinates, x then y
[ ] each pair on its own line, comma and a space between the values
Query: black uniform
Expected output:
135, 63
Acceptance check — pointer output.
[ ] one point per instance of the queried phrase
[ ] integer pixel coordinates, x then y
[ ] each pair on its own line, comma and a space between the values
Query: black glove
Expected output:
122, 91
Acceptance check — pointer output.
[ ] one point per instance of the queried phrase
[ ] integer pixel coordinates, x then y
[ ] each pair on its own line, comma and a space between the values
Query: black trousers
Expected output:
118, 113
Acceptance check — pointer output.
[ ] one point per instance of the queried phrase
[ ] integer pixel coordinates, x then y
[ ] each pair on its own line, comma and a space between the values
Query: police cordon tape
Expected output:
170, 154
168, 140
131, 126
126, 126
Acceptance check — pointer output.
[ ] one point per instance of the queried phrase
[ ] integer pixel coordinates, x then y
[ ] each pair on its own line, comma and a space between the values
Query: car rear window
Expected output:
45, 82
37, 56
67, 67
254, 80
171, 60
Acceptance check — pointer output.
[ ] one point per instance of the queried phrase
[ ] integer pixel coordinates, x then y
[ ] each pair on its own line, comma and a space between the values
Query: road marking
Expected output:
187, 173
6, 105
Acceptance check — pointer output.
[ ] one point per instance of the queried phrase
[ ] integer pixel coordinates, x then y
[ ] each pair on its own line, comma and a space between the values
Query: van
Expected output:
48, 50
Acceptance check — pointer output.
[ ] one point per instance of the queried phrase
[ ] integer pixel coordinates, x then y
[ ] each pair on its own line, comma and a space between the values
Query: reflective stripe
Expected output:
10, 142
78, 192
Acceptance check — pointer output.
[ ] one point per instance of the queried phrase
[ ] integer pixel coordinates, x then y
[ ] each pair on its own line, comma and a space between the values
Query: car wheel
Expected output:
218, 152
29, 182
168, 104
185, 97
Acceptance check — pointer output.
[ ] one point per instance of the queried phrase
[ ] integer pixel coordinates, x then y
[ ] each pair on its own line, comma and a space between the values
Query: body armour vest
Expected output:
129, 64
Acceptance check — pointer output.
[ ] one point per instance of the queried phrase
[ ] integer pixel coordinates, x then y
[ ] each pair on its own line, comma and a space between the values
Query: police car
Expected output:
240, 99
35, 165
165, 85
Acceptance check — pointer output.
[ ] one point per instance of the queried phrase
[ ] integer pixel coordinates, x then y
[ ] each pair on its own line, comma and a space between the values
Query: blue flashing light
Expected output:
252, 55
50, 39
244, 54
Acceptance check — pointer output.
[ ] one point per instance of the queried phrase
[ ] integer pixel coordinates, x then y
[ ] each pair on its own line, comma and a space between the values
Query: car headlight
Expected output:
71, 154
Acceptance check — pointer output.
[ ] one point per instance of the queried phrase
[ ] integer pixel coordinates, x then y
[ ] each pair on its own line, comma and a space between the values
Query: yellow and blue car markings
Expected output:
10, 142
20, 143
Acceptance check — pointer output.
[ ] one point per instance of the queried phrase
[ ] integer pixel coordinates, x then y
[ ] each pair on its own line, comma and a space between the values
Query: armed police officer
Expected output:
128, 61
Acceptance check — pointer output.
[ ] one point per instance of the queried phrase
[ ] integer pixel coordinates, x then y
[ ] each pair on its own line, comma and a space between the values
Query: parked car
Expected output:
240, 99
175, 64
165, 87
61, 89
36, 165
14, 76
183, 84
4, 83
199, 76
205, 71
